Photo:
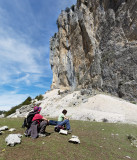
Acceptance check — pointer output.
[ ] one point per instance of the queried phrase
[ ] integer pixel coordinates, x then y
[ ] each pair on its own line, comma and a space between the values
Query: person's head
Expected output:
64, 111
37, 109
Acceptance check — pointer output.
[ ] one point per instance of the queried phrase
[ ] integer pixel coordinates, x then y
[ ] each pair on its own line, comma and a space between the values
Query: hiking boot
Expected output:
25, 134
47, 134
69, 131
42, 135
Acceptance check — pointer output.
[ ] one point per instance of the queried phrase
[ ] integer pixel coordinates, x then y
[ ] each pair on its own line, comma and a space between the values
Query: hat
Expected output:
37, 109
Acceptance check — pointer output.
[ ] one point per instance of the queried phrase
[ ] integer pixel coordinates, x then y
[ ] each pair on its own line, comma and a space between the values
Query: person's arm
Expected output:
45, 119
66, 117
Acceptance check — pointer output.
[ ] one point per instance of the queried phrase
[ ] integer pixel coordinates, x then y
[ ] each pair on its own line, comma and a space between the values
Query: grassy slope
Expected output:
97, 143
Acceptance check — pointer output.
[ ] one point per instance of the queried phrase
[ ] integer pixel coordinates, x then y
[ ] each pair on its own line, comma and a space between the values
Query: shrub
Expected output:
67, 10
13, 109
27, 101
104, 120
57, 22
2, 112
40, 97
133, 102
73, 7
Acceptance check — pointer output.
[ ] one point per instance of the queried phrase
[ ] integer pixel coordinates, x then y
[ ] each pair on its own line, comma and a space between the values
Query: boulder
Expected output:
74, 139
12, 129
4, 128
86, 91
13, 139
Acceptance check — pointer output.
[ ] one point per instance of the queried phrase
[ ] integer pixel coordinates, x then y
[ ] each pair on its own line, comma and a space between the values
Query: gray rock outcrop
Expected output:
22, 112
96, 47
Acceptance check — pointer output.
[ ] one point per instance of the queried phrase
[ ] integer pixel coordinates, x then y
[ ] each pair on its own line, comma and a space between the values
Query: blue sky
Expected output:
26, 27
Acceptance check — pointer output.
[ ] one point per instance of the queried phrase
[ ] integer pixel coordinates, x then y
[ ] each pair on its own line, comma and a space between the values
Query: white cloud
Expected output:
15, 51
10, 100
19, 57
25, 32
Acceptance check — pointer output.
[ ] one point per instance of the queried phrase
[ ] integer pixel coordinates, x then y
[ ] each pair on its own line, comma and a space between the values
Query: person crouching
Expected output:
38, 125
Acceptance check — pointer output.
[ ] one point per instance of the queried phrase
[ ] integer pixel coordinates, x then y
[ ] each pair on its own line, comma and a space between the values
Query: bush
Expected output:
73, 8
1, 112
133, 102
104, 120
13, 109
57, 22
40, 97
67, 10
27, 101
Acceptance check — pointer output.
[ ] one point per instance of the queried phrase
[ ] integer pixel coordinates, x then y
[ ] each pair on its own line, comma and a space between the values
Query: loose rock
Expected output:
4, 128
13, 139
12, 129
74, 139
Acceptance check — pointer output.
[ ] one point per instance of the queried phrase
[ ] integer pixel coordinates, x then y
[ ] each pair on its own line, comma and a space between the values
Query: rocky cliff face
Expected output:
96, 47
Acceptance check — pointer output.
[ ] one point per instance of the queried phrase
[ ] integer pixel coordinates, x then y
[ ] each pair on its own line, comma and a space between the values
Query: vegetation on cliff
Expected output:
13, 109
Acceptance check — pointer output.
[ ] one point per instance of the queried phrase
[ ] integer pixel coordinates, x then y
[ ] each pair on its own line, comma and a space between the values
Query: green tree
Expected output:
39, 97
13, 109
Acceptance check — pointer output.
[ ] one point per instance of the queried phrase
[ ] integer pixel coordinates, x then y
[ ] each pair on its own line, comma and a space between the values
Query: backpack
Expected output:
28, 120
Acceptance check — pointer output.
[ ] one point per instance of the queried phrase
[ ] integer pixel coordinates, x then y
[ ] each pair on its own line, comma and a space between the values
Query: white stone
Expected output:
73, 136
74, 139
12, 129
63, 132
4, 128
13, 139
128, 157
2, 116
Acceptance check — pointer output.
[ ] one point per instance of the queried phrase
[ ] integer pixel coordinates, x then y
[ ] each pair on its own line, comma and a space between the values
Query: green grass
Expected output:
99, 141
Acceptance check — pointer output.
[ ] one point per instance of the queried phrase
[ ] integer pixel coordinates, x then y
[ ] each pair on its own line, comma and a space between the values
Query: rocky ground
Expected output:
84, 105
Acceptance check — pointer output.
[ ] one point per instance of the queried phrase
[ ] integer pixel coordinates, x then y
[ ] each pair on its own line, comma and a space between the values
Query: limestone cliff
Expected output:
96, 47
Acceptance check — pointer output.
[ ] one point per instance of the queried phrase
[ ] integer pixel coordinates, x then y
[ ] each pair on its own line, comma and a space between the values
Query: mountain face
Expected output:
96, 47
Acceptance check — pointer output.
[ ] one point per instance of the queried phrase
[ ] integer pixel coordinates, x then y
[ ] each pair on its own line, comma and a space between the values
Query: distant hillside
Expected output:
1, 112
85, 104
13, 109
25, 106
